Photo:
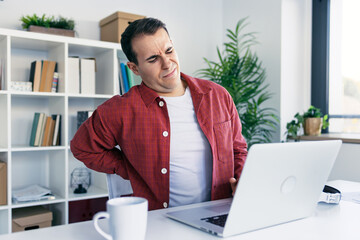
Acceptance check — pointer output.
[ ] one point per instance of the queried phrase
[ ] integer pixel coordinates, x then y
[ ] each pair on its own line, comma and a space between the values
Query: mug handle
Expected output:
96, 218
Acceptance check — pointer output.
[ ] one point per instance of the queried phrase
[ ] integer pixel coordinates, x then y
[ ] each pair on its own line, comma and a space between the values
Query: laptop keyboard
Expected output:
217, 220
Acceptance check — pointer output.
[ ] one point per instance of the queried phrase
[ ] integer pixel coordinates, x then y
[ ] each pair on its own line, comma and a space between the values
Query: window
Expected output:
344, 66
336, 64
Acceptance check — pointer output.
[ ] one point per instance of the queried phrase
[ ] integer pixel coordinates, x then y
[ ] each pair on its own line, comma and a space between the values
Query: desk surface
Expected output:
330, 222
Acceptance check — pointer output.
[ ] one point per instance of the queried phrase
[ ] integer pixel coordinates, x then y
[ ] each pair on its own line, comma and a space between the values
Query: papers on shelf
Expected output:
32, 193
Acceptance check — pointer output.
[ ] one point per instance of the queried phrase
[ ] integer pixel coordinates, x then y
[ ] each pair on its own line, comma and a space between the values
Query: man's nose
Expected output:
166, 63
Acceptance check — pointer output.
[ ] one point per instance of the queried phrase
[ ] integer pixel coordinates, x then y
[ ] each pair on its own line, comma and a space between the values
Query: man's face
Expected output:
158, 63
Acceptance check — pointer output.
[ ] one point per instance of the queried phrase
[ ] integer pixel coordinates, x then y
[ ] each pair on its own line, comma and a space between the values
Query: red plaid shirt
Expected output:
138, 122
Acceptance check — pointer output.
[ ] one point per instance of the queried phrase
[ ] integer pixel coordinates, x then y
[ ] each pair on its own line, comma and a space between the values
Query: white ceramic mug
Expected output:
127, 218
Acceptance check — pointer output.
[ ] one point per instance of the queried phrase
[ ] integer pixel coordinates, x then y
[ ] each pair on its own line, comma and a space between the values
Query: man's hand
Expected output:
233, 183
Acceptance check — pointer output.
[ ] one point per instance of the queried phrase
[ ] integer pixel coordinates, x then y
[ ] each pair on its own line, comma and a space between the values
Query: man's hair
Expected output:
144, 26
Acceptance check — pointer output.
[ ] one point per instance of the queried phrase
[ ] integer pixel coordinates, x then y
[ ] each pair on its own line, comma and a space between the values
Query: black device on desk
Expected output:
330, 195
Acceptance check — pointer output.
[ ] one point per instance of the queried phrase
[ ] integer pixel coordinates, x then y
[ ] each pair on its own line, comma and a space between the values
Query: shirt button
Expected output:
161, 103
163, 170
165, 133
165, 204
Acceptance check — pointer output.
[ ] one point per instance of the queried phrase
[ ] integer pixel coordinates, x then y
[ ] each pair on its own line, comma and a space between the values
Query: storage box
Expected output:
3, 183
31, 218
114, 25
84, 210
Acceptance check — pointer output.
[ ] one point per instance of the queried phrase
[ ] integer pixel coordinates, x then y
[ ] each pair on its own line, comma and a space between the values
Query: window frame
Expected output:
320, 59
320, 55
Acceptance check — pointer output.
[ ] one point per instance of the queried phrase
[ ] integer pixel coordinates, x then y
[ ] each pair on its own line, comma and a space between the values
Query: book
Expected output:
73, 75
35, 75
130, 76
46, 133
87, 76
49, 76
39, 129
82, 116
55, 82
51, 132
57, 119
42, 131
44, 68
124, 77
21, 86
58, 140
33, 128
121, 83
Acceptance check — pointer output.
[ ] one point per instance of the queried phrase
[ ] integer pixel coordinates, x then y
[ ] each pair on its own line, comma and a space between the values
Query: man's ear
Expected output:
133, 67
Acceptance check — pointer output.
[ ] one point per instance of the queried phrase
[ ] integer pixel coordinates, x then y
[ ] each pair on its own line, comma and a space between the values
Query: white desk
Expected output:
330, 222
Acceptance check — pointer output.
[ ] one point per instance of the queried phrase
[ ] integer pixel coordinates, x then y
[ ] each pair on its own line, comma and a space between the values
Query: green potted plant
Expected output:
312, 121
51, 25
240, 72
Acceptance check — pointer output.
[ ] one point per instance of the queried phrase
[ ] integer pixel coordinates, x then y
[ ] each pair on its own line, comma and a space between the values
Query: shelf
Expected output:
36, 94
4, 207
345, 137
34, 44
36, 203
49, 166
99, 96
92, 192
31, 149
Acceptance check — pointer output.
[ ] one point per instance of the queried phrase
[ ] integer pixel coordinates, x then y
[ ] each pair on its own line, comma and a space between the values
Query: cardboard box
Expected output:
114, 25
31, 218
3, 183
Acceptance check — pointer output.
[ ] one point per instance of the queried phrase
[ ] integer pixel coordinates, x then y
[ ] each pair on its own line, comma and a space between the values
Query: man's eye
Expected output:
152, 60
170, 50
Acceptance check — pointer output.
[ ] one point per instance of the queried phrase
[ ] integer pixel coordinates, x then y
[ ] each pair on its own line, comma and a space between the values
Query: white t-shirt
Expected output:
190, 154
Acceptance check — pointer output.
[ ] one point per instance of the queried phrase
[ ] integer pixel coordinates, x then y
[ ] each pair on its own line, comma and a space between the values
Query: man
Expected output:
180, 137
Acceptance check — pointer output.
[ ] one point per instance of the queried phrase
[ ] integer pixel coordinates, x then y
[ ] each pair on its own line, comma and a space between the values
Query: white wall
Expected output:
284, 34
195, 26
295, 59
347, 164
264, 17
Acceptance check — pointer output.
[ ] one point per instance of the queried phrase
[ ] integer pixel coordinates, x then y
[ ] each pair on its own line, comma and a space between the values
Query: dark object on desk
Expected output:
330, 195
217, 220
80, 180
84, 210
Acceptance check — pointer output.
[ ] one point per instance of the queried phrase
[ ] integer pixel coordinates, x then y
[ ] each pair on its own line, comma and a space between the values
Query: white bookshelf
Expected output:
48, 166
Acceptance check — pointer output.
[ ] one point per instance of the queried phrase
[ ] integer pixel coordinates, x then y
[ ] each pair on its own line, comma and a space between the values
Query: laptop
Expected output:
280, 182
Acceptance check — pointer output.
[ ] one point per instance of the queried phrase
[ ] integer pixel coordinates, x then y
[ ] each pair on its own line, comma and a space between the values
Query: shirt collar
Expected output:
148, 95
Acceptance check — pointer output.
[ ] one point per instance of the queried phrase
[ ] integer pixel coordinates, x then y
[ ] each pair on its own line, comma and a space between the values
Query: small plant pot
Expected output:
312, 126
56, 31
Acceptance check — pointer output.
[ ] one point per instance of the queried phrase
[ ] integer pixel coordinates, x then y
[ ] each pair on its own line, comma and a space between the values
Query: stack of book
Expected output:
127, 79
82, 75
82, 116
45, 130
44, 76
